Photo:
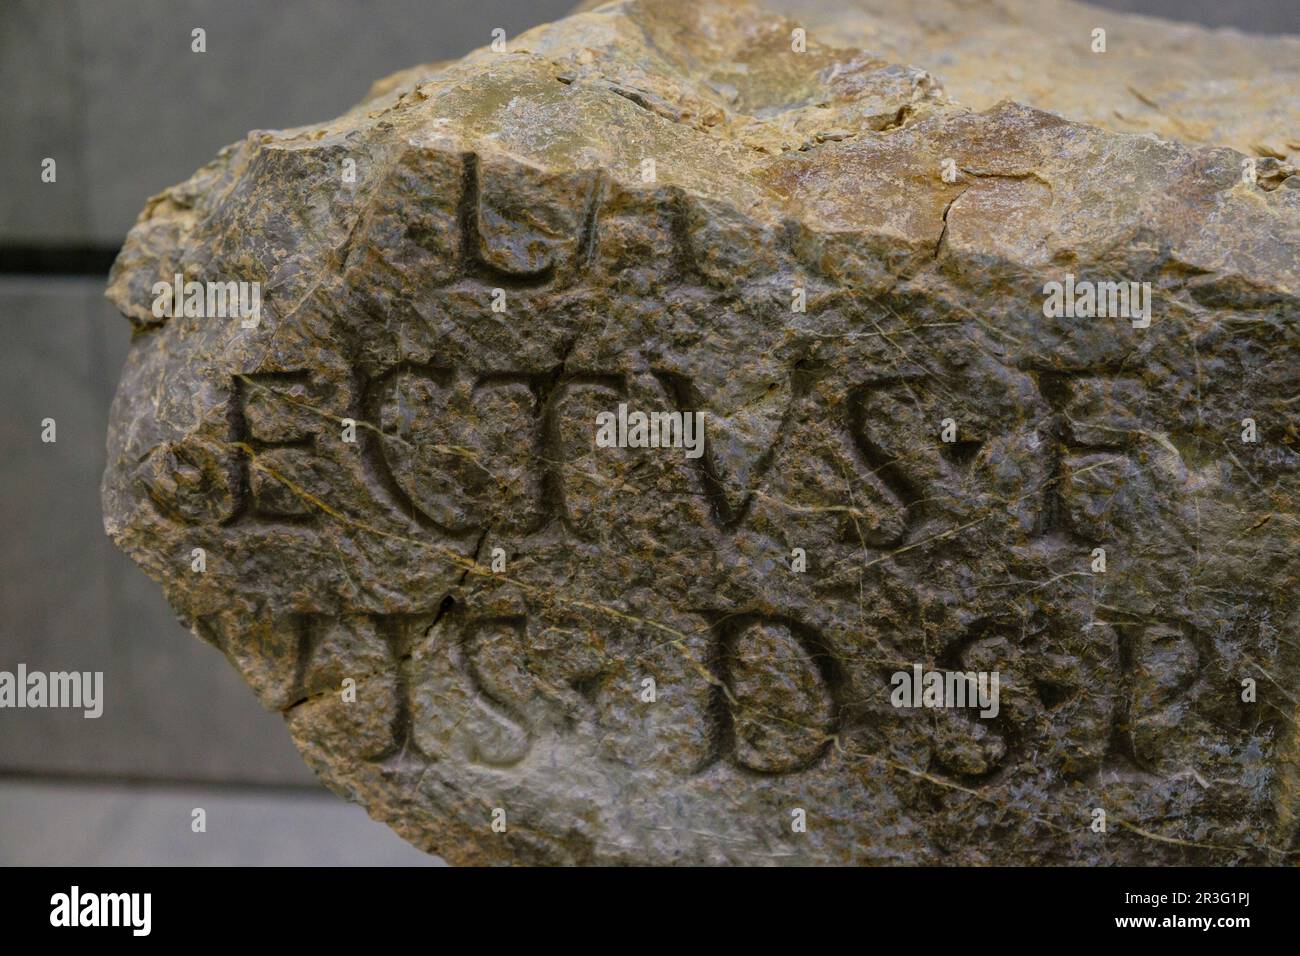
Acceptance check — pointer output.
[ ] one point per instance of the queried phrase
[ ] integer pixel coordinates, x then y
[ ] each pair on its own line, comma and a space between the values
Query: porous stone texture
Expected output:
1183, 82
522, 686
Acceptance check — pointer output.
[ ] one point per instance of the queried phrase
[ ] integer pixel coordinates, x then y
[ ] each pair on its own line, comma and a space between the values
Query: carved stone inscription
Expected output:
386, 503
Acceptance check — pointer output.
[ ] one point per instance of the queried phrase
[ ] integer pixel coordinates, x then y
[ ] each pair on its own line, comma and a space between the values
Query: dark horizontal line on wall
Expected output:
57, 260
77, 778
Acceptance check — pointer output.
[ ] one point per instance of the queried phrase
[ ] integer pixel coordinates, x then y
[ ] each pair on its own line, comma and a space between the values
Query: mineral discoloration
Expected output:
515, 678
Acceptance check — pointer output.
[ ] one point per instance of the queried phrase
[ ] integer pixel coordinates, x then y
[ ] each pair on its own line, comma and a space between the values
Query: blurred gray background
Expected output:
111, 90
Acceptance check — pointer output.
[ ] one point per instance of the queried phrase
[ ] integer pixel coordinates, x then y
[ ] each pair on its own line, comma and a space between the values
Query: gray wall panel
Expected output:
64, 825
113, 90
174, 707
40, 116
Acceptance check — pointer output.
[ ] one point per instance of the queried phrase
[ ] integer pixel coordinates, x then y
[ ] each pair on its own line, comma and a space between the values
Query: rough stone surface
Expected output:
1184, 82
521, 689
